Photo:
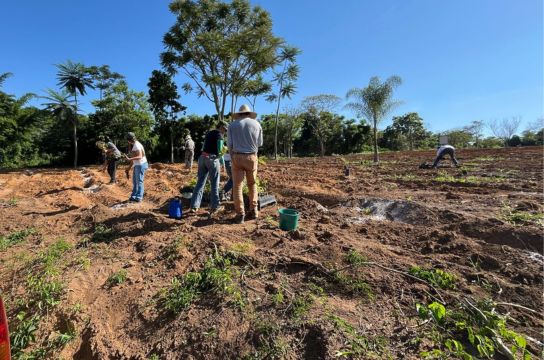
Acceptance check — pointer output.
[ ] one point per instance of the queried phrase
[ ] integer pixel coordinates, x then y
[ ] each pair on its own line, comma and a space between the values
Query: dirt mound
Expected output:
118, 280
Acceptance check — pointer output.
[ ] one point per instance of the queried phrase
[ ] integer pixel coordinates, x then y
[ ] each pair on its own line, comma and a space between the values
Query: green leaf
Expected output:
520, 341
438, 310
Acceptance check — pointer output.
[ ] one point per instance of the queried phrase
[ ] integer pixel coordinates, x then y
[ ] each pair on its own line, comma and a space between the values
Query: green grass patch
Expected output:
102, 233
171, 252
117, 278
44, 290
357, 345
355, 258
215, 278
270, 344
445, 177
437, 277
516, 217
407, 177
14, 238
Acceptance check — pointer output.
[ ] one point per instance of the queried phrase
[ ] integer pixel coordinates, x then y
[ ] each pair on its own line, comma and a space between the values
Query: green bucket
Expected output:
288, 219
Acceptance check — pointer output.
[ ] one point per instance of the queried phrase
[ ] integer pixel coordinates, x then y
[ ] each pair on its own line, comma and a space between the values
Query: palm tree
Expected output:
74, 77
285, 80
4, 76
63, 109
374, 102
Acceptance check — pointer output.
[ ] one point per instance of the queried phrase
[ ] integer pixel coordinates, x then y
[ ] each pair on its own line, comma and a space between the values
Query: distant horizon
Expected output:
458, 61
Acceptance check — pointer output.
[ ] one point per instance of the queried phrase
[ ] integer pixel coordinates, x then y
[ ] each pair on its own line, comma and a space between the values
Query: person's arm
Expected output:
136, 154
260, 140
229, 138
220, 143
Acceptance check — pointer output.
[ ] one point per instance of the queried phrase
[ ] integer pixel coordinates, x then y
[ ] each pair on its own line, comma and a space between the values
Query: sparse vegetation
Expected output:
472, 328
407, 177
445, 177
358, 345
517, 217
301, 304
216, 277
270, 343
24, 334
101, 233
117, 278
436, 277
355, 258
171, 252
241, 248
14, 238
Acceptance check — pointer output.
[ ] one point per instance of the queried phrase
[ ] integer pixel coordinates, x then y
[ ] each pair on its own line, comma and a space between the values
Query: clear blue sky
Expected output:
460, 60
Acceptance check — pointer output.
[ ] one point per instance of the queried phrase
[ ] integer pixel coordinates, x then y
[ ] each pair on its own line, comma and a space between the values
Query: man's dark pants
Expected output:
112, 169
443, 153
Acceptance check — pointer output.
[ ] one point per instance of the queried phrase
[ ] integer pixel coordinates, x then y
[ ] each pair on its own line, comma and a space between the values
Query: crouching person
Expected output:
443, 151
209, 163
113, 155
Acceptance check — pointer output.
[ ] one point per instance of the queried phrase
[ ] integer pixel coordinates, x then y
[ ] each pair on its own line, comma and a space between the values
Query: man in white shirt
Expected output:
443, 151
139, 163
245, 136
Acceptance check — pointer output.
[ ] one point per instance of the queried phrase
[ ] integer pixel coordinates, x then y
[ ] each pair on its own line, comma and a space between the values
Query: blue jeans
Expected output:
228, 184
138, 181
207, 164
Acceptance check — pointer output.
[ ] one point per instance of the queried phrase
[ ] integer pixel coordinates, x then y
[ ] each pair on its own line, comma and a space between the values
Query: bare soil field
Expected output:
87, 276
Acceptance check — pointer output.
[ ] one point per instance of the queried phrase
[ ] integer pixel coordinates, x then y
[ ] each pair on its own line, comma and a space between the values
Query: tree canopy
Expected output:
219, 46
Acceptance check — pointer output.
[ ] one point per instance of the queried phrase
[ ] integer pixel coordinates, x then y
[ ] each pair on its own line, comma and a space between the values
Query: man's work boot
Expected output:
213, 212
252, 214
238, 219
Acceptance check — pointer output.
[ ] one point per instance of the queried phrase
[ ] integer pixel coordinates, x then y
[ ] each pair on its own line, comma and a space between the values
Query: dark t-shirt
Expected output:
210, 142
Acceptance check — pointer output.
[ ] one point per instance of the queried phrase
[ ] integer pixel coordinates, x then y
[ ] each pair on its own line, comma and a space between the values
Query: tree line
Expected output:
228, 54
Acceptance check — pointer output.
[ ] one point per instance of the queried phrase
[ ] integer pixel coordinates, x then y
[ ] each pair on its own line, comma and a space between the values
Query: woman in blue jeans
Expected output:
209, 163
140, 165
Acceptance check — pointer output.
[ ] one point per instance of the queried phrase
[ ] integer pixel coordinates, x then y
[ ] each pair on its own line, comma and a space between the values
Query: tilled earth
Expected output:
339, 286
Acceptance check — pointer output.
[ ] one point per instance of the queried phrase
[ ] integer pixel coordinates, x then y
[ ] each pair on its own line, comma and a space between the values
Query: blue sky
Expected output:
460, 60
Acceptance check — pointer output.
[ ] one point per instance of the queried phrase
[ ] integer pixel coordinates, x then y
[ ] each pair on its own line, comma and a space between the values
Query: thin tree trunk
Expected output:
75, 145
322, 144
376, 156
75, 132
277, 120
171, 143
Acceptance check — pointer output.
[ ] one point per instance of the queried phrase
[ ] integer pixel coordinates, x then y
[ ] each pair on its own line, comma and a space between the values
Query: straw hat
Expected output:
243, 112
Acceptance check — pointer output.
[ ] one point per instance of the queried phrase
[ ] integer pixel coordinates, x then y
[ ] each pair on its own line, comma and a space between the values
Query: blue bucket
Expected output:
175, 209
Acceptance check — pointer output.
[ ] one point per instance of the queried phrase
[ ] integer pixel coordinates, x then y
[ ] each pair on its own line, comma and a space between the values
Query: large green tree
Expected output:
374, 102
123, 110
320, 117
219, 46
163, 97
103, 77
20, 128
74, 77
411, 127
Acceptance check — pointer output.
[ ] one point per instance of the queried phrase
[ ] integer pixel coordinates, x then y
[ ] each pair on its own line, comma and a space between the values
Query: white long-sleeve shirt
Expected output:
244, 136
